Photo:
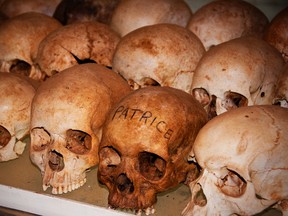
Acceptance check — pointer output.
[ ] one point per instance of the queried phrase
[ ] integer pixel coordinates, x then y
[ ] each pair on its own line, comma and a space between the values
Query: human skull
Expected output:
13, 8
243, 156
19, 40
68, 11
277, 33
133, 14
223, 20
75, 44
240, 72
160, 54
281, 95
15, 104
145, 143
68, 111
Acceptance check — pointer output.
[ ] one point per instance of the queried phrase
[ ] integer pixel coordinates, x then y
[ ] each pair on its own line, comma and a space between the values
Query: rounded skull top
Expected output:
277, 33
20, 37
13, 8
160, 54
240, 72
223, 20
75, 44
132, 14
243, 156
67, 115
145, 143
15, 107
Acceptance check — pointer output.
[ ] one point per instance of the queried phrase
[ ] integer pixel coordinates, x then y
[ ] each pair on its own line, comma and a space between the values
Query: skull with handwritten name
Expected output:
68, 112
145, 143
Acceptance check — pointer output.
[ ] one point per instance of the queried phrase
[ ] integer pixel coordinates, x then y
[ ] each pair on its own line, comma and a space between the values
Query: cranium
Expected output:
243, 156
281, 95
13, 8
15, 104
19, 40
223, 20
68, 11
160, 54
77, 43
68, 111
132, 14
240, 72
146, 139
277, 33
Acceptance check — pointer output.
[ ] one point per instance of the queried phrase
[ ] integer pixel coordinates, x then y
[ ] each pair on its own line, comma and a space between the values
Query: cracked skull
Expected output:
244, 163
15, 104
240, 72
145, 146
161, 54
68, 112
19, 40
77, 43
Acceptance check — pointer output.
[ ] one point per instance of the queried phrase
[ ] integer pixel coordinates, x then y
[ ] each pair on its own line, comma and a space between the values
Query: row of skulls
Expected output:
149, 139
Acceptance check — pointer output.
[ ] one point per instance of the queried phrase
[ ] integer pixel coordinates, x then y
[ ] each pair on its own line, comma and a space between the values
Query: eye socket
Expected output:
109, 158
151, 166
232, 184
20, 67
5, 136
40, 139
234, 100
78, 142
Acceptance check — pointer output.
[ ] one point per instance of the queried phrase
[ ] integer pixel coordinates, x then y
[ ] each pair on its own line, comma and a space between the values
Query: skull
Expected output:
75, 44
281, 96
240, 72
277, 33
68, 11
13, 8
19, 40
160, 54
15, 104
133, 14
145, 145
245, 167
223, 20
68, 111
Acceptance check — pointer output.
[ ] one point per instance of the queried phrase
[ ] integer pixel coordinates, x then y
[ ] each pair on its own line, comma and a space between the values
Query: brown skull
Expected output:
145, 142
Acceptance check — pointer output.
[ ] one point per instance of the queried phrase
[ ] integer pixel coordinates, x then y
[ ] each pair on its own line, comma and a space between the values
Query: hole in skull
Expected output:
232, 184
234, 100
211, 109
5, 136
82, 61
78, 142
152, 166
147, 81
20, 67
56, 162
199, 197
124, 184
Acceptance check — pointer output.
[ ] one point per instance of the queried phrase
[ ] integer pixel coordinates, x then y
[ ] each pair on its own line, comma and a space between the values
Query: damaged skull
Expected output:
75, 44
68, 111
15, 105
19, 40
145, 144
161, 54
243, 156
240, 72
281, 96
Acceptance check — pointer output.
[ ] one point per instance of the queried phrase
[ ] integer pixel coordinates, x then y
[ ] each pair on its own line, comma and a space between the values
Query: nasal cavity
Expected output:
124, 184
56, 161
